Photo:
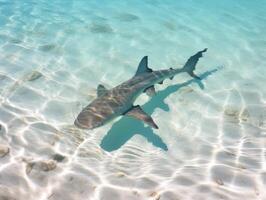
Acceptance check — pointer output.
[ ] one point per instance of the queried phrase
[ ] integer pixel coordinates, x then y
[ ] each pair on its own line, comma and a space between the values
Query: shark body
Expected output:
119, 100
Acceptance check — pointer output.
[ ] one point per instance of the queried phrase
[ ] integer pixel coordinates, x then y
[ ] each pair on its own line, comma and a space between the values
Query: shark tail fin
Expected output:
191, 63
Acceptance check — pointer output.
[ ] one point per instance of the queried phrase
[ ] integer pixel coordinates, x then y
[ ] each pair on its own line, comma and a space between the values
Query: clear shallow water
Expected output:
211, 140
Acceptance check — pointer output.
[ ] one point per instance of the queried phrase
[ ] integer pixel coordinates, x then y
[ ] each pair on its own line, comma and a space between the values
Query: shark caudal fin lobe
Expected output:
191, 63
139, 114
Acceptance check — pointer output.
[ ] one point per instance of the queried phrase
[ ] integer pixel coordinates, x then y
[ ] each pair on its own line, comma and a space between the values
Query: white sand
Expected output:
53, 56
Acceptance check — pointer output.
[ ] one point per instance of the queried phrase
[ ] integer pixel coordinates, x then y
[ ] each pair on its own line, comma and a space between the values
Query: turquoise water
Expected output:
211, 141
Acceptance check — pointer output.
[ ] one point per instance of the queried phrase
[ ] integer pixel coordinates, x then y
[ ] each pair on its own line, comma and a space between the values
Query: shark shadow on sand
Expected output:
120, 132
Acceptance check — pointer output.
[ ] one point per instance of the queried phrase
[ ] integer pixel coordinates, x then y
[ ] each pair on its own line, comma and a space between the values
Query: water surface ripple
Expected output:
211, 143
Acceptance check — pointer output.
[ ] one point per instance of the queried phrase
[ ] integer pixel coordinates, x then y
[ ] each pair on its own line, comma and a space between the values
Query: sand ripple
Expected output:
212, 136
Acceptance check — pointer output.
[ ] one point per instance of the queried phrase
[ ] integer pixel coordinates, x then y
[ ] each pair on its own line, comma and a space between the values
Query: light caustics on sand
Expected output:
211, 138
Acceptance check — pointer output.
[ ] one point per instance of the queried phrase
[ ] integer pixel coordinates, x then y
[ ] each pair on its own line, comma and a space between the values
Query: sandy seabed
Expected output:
211, 143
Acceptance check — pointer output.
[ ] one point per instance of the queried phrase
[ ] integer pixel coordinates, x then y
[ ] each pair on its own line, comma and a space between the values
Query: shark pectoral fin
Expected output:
150, 91
143, 66
101, 90
138, 113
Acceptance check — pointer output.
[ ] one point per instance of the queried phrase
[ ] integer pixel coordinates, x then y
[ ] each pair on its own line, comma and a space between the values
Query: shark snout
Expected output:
82, 126
87, 120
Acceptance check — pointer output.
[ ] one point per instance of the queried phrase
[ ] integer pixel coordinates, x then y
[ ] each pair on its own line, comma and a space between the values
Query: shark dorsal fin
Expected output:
143, 66
101, 90
139, 114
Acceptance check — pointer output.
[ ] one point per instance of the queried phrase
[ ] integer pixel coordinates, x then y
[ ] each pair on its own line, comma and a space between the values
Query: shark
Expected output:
119, 101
